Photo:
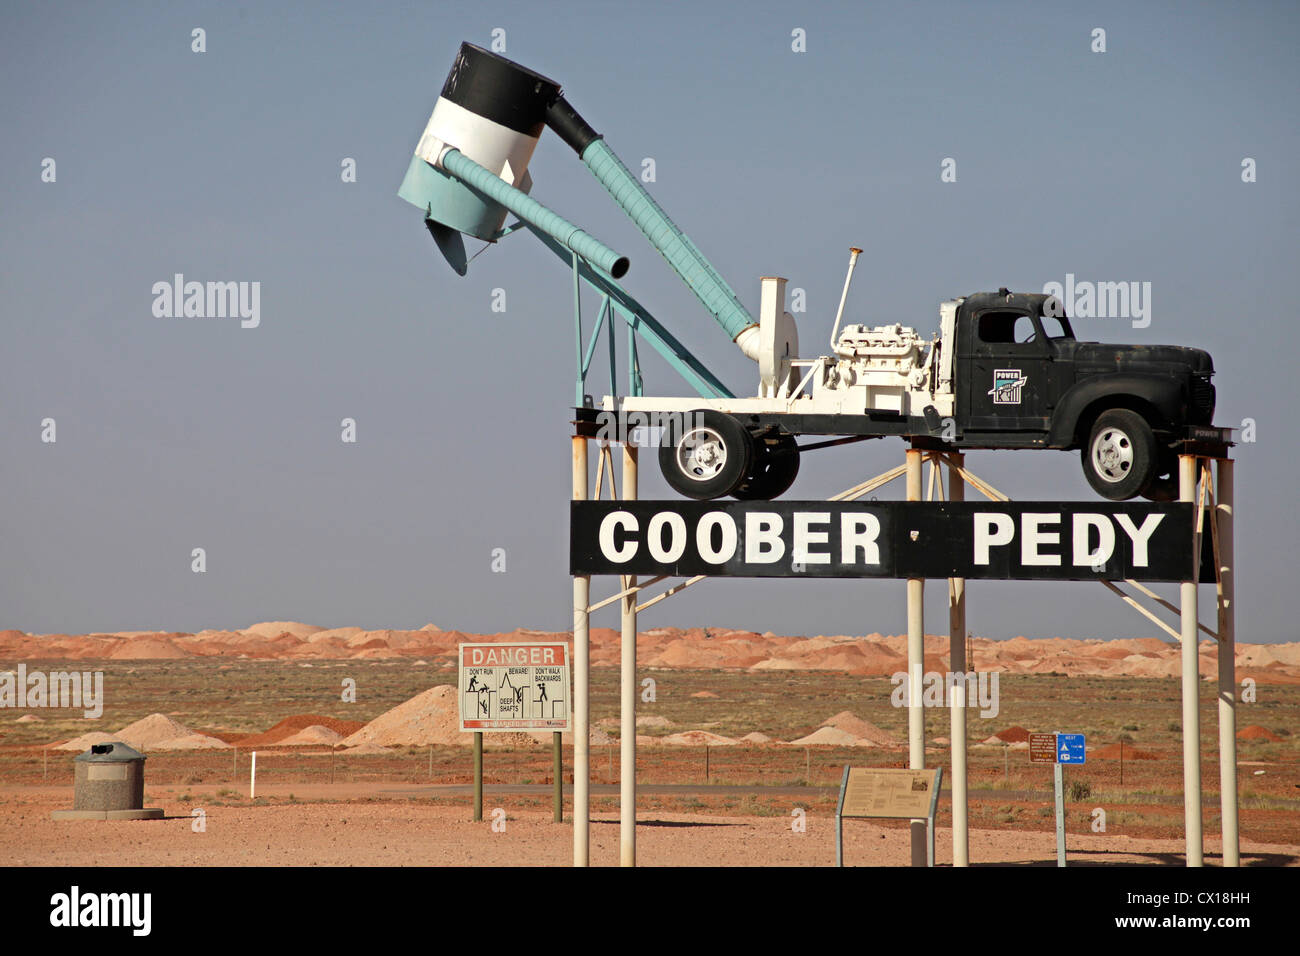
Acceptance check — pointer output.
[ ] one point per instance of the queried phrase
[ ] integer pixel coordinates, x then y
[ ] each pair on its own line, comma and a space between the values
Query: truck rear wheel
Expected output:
1119, 460
773, 470
711, 457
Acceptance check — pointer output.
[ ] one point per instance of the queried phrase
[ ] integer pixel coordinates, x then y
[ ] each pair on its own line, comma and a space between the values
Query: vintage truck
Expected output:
1004, 371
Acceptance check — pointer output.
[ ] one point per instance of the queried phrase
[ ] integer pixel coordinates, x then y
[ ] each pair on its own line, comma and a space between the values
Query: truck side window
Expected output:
998, 328
1025, 330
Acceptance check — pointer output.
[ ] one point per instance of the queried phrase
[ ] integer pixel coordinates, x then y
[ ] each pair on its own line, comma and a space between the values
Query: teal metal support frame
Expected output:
639, 321
577, 332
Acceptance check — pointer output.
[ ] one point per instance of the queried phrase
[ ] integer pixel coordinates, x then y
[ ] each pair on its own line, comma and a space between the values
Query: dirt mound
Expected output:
85, 741
855, 726
832, 737
299, 722
431, 717
1012, 735
704, 694
1256, 732
160, 732
756, 738
147, 649
696, 738
1112, 752
155, 732
364, 750
273, 629
28, 719
314, 735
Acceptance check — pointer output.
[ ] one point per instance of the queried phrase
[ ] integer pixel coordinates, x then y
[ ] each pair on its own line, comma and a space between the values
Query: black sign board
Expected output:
1037, 540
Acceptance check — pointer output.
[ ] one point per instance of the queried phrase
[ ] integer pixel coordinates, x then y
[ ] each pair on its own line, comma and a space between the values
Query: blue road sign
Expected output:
1071, 748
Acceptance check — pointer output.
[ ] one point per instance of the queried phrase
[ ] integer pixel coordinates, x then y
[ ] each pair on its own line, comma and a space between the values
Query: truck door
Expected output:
1006, 373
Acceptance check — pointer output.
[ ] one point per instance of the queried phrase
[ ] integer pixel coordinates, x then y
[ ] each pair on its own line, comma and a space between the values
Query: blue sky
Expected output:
177, 433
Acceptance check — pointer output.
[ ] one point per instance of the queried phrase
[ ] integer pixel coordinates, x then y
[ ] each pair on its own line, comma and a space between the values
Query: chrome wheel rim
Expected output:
701, 454
1112, 454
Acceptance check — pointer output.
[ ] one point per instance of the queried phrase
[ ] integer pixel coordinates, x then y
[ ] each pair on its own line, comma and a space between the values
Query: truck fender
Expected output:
1163, 396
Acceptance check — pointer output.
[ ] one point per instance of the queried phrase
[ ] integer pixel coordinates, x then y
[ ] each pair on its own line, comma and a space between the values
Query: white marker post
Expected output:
1060, 812
1188, 476
1227, 669
581, 651
252, 777
628, 688
958, 664
915, 664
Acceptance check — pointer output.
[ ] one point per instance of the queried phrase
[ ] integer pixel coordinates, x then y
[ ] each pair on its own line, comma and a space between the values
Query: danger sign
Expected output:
514, 686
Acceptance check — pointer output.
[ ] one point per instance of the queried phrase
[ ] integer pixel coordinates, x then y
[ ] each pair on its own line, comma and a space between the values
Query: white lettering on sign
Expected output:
992, 530
1141, 537
805, 537
617, 520
763, 544
1038, 531
859, 531
677, 540
499, 656
704, 537
1033, 537
1084, 524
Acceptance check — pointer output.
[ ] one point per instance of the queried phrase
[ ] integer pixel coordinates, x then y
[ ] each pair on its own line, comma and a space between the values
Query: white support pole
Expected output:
581, 648
958, 664
915, 665
252, 776
1227, 628
627, 705
1188, 473
1058, 784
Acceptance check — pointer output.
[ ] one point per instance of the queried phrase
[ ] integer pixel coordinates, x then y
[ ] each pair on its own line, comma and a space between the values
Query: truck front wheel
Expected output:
1119, 460
710, 459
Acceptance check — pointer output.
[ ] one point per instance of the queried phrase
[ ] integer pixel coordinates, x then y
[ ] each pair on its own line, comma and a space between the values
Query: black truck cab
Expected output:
1024, 381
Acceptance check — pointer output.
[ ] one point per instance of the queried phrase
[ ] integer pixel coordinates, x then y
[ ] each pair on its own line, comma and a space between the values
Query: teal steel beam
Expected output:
595, 337
613, 363
678, 356
577, 329
678, 250
533, 213
634, 383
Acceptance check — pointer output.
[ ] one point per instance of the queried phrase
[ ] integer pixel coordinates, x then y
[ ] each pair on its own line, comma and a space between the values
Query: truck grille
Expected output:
1202, 399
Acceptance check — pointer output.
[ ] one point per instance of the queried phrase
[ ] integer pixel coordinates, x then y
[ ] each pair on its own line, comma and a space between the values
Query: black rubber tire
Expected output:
1164, 486
773, 470
719, 436
1120, 457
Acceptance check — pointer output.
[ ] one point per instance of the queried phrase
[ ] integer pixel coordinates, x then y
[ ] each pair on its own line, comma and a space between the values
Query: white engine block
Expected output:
885, 368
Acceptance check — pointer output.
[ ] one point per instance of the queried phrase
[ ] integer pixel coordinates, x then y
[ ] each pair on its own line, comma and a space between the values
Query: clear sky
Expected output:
183, 433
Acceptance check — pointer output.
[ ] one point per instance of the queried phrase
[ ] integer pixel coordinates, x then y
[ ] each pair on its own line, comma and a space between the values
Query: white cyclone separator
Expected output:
497, 148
